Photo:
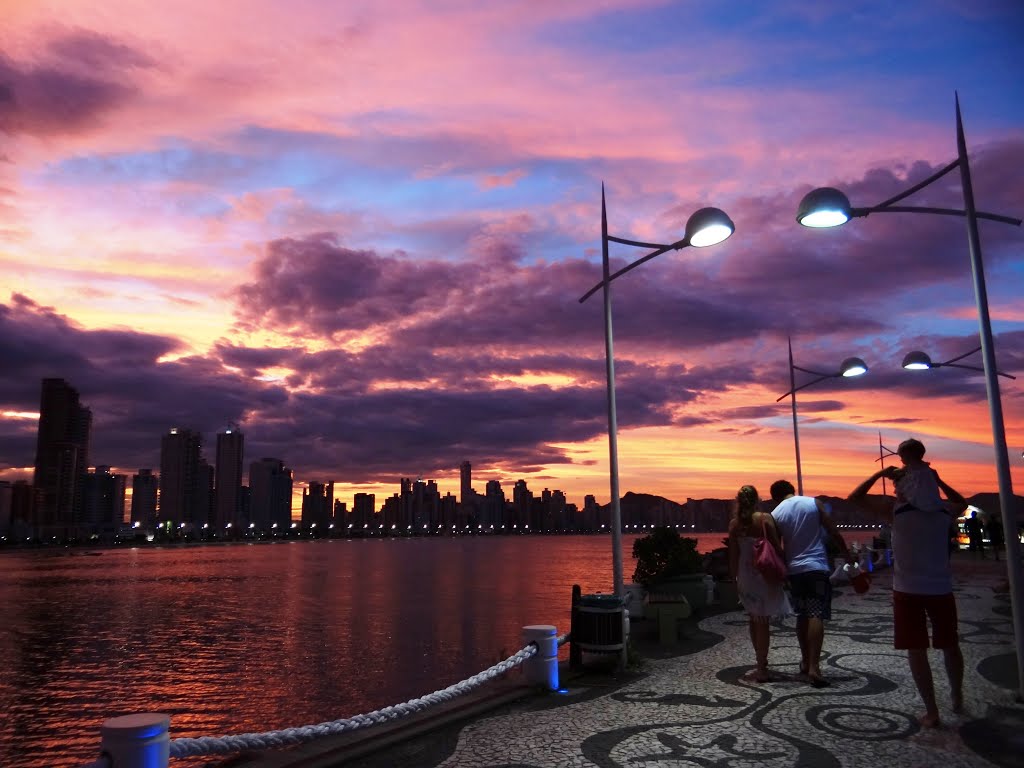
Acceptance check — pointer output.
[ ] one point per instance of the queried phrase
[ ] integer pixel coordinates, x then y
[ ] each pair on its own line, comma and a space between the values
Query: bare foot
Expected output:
929, 720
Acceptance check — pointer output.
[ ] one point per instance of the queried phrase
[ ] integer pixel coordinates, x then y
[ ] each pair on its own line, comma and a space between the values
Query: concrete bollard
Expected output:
542, 668
709, 586
137, 741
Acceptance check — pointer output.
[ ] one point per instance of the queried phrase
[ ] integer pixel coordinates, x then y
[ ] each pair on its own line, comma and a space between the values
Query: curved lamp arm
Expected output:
851, 367
706, 226
921, 361
864, 212
821, 377
830, 207
660, 249
970, 368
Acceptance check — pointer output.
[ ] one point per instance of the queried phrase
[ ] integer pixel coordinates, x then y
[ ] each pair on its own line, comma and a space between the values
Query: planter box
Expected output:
690, 586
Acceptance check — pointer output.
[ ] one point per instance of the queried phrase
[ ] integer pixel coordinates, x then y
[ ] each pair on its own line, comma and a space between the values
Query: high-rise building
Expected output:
228, 480
62, 456
17, 500
270, 494
144, 490
185, 479
317, 505
204, 494
104, 501
493, 513
363, 510
466, 484
522, 504
6, 507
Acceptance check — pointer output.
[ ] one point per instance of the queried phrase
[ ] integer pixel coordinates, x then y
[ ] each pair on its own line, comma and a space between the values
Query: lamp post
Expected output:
851, 366
919, 361
705, 227
828, 207
884, 452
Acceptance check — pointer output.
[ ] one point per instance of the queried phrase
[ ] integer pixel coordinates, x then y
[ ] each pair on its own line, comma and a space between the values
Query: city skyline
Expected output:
365, 248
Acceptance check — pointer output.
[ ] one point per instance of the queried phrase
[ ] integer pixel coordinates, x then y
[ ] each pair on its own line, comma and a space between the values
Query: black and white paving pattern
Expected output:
702, 710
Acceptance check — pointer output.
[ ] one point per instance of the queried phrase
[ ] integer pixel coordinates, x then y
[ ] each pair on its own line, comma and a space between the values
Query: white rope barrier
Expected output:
212, 745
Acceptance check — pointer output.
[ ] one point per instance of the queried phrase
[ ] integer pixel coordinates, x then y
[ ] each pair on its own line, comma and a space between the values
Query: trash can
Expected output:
597, 623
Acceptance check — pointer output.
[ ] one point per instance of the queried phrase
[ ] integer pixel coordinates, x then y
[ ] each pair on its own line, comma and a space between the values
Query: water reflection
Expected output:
230, 639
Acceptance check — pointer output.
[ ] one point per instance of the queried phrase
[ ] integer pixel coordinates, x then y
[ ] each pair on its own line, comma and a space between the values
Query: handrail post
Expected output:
542, 667
137, 741
575, 652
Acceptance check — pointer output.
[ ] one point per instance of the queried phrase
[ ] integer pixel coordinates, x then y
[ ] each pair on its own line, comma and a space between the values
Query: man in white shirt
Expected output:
805, 527
922, 582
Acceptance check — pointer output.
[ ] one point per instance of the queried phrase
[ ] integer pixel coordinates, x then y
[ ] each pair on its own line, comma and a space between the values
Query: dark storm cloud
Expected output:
346, 427
134, 398
314, 285
36, 342
964, 384
860, 274
82, 77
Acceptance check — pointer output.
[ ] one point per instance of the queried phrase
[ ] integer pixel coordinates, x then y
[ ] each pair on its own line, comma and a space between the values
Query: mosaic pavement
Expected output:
699, 710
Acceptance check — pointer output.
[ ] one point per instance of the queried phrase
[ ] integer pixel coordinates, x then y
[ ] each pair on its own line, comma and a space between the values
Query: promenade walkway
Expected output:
691, 704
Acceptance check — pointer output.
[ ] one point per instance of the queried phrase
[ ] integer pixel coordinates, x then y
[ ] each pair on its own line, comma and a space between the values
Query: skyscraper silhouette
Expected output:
466, 486
228, 479
184, 479
270, 494
144, 488
62, 458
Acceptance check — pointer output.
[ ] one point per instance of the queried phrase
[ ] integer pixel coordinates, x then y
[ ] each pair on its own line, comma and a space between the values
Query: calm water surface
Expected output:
240, 638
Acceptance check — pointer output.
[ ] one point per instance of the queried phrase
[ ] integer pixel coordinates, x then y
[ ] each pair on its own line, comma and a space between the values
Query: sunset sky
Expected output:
360, 230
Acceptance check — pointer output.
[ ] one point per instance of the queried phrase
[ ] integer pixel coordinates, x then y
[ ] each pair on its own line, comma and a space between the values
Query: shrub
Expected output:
664, 554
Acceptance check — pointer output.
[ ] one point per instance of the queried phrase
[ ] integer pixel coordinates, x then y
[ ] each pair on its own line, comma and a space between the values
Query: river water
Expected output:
229, 639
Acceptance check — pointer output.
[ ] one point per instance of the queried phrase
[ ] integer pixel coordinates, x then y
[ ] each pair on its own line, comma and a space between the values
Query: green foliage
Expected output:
664, 554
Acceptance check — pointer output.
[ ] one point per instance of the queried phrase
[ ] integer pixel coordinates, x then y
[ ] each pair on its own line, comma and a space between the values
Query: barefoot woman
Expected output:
761, 599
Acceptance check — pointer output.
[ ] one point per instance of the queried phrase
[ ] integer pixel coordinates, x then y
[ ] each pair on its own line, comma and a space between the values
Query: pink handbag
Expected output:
767, 560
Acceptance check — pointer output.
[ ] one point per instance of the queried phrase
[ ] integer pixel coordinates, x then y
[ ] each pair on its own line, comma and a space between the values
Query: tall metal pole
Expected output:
1007, 503
613, 444
796, 431
881, 460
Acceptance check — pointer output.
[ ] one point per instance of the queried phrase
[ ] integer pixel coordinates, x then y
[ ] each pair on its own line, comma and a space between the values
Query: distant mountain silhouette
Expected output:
875, 509
644, 503
989, 504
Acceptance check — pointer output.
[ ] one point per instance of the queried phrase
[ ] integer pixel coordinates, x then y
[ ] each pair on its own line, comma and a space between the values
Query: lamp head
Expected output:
917, 361
823, 207
708, 226
853, 366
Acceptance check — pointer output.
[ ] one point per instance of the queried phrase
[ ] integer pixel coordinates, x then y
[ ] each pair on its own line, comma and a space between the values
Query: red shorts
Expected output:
910, 616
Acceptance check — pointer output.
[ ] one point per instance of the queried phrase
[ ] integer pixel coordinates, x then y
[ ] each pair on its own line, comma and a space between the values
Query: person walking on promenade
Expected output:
922, 581
762, 599
805, 527
995, 534
975, 542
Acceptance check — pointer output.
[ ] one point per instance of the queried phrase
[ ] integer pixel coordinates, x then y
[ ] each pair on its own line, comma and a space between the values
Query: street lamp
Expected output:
828, 207
919, 361
705, 227
884, 452
851, 366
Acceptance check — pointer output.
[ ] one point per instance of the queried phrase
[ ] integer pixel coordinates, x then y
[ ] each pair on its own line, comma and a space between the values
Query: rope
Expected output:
563, 640
212, 745
100, 762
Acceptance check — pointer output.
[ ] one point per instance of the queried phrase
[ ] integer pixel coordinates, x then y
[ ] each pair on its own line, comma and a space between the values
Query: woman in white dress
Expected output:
762, 600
